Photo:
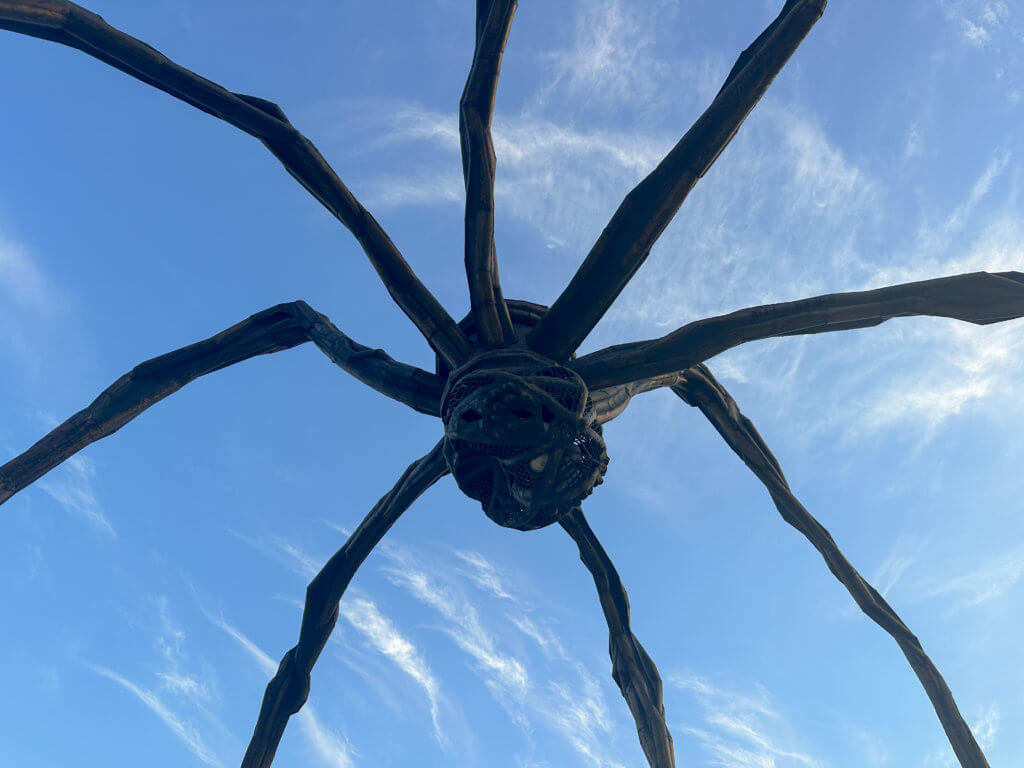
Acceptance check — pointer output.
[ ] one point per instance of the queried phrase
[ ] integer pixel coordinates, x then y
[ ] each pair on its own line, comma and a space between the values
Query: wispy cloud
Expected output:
977, 21
570, 701
283, 551
609, 57
505, 674
71, 486
986, 725
968, 588
364, 615
21, 281
174, 677
31, 304
185, 731
579, 714
387, 639
483, 573
520, 613
554, 177
893, 568
329, 748
550, 643
742, 730
990, 30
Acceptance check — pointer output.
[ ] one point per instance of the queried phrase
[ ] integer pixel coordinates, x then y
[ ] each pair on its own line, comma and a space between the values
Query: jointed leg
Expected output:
69, 24
610, 402
288, 690
977, 297
632, 669
272, 330
700, 389
493, 324
642, 217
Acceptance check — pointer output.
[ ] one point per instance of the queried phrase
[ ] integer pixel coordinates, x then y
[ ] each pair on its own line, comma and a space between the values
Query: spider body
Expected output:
521, 431
521, 437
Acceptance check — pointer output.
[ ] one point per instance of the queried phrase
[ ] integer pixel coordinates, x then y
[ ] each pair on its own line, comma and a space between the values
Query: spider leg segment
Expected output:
272, 330
610, 402
649, 207
632, 669
74, 26
289, 688
699, 388
476, 107
977, 297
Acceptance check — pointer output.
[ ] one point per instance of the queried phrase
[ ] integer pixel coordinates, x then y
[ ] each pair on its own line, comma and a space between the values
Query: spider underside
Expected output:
521, 415
521, 432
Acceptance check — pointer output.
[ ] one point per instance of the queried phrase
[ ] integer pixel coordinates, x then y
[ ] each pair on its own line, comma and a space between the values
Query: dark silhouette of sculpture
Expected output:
522, 416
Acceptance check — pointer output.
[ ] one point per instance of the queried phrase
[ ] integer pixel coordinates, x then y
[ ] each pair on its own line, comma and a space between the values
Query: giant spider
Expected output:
522, 416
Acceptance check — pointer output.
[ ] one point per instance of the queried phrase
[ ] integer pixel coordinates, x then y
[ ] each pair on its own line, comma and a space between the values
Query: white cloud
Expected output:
31, 306
571, 701
610, 59
483, 573
283, 551
505, 674
71, 486
986, 726
362, 613
560, 180
892, 569
968, 588
328, 746
182, 684
579, 713
914, 143
185, 731
977, 20
548, 641
174, 678
21, 281
935, 239
742, 730
387, 639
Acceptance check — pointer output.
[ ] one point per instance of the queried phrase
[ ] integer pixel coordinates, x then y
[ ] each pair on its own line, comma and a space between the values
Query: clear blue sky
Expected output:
152, 583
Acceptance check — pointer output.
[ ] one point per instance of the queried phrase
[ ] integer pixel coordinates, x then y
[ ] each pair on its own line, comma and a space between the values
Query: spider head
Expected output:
521, 437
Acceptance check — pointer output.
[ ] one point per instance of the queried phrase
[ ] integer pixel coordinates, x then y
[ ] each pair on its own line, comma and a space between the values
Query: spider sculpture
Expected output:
521, 415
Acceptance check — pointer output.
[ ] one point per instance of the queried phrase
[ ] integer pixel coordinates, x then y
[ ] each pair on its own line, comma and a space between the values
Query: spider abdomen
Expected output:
521, 437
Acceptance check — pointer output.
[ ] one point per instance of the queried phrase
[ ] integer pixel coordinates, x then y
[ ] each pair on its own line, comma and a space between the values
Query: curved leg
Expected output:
69, 24
632, 669
642, 217
610, 402
700, 389
272, 330
493, 21
289, 688
977, 297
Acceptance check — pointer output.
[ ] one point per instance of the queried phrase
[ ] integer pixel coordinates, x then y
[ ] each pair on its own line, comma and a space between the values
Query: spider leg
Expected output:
272, 330
289, 688
649, 207
632, 669
977, 297
700, 389
69, 24
476, 107
610, 402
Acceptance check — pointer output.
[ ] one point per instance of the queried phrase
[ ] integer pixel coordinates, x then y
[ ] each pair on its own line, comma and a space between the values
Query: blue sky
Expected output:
153, 581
